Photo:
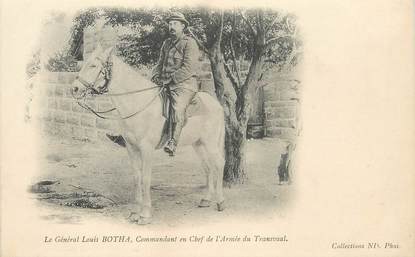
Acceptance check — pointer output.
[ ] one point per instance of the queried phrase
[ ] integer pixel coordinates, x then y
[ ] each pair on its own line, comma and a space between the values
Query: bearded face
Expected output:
176, 28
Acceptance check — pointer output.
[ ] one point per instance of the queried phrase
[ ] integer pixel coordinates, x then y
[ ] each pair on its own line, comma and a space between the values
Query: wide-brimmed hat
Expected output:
177, 16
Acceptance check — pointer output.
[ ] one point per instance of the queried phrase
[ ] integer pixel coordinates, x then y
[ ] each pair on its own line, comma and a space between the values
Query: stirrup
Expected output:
117, 139
170, 147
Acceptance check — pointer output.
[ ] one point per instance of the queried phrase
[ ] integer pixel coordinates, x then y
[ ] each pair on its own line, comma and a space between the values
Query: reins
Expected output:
98, 113
107, 77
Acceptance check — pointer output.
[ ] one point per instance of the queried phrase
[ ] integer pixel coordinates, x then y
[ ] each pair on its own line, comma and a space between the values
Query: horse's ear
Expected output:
99, 48
109, 51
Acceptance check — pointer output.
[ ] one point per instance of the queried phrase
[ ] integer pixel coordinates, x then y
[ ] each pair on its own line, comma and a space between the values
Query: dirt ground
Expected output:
80, 180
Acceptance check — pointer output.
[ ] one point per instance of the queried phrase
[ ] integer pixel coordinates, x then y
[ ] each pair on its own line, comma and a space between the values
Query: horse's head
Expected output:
95, 74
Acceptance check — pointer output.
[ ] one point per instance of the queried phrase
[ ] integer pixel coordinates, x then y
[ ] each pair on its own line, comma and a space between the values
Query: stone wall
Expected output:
281, 106
60, 113
63, 116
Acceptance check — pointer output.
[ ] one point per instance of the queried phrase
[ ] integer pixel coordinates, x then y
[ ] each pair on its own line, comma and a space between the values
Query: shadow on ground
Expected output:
79, 179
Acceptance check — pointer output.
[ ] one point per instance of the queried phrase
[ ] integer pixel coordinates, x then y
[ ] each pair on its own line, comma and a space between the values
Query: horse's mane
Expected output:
128, 67
123, 59
141, 76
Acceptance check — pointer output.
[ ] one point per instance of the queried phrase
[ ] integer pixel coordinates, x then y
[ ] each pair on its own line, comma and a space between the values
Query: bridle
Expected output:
105, 70
102, 91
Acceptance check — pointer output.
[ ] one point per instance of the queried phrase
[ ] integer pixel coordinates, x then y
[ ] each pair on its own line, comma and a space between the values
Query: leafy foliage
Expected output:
62, 61
33, 66
82, 20
142, 46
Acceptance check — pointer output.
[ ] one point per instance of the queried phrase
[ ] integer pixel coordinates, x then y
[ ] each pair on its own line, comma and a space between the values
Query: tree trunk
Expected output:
235, 150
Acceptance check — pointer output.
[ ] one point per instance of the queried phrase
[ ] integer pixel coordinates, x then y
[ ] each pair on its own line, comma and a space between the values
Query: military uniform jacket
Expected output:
178, 63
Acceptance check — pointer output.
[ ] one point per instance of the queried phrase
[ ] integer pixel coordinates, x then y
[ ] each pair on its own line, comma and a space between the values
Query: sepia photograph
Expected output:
195, 128
166, 113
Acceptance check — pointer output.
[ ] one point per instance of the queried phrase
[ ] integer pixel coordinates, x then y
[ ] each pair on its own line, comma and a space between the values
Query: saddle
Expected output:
195, 108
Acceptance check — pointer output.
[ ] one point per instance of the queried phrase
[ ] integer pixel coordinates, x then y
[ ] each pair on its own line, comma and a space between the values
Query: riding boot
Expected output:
118, 139
172, 144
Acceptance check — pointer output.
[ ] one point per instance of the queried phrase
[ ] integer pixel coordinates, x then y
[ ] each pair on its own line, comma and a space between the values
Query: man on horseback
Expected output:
177, 70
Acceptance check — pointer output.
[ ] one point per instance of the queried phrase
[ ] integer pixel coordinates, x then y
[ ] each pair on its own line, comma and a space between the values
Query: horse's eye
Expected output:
92, 66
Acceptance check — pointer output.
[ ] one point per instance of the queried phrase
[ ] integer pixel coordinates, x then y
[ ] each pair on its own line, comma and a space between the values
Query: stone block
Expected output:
49, 128
50, 89
104, 124
47, 115
52, 103
90, 133
72, 119
77, 108
102, 107
103, 100
65, 131
286, 123
288, 95
288, 103
271, 95
65, 105
283, 112
290, 134
59, 117
52, 77
77, 132
101, 135
87, 121
69, 77
68, 92
91, 104
273, 132
59, 91
281, 85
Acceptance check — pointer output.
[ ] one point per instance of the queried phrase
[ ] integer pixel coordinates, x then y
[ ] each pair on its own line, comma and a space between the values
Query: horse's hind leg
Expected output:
219, 163
203, 155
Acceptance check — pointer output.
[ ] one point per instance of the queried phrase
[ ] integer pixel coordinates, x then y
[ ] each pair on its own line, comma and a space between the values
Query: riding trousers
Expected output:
176, 98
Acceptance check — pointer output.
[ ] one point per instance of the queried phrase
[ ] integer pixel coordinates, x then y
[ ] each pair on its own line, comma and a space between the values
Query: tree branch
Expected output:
261, 34
272, 24
290, 58
260, 21
221, 27
198, 41
271, 41
233, 55
232, 77
251, 27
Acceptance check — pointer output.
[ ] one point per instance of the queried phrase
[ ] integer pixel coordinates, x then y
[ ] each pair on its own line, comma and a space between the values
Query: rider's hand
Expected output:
156, 80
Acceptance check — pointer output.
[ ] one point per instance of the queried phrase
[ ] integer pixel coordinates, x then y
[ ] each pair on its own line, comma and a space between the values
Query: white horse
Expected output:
139, 110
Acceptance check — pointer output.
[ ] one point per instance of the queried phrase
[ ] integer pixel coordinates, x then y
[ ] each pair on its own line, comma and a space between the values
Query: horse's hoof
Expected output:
140, 220
133, 217
143, 220
221, 206
204, 203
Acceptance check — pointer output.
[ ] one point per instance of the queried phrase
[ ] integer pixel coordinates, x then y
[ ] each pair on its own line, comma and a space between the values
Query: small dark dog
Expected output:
284, 169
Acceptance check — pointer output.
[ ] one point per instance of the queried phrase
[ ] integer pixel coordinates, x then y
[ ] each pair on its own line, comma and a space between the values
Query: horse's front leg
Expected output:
146, 153
135, 160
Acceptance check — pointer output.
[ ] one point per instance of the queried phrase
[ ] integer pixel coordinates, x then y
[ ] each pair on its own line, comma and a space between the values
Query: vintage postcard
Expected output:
195, 128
